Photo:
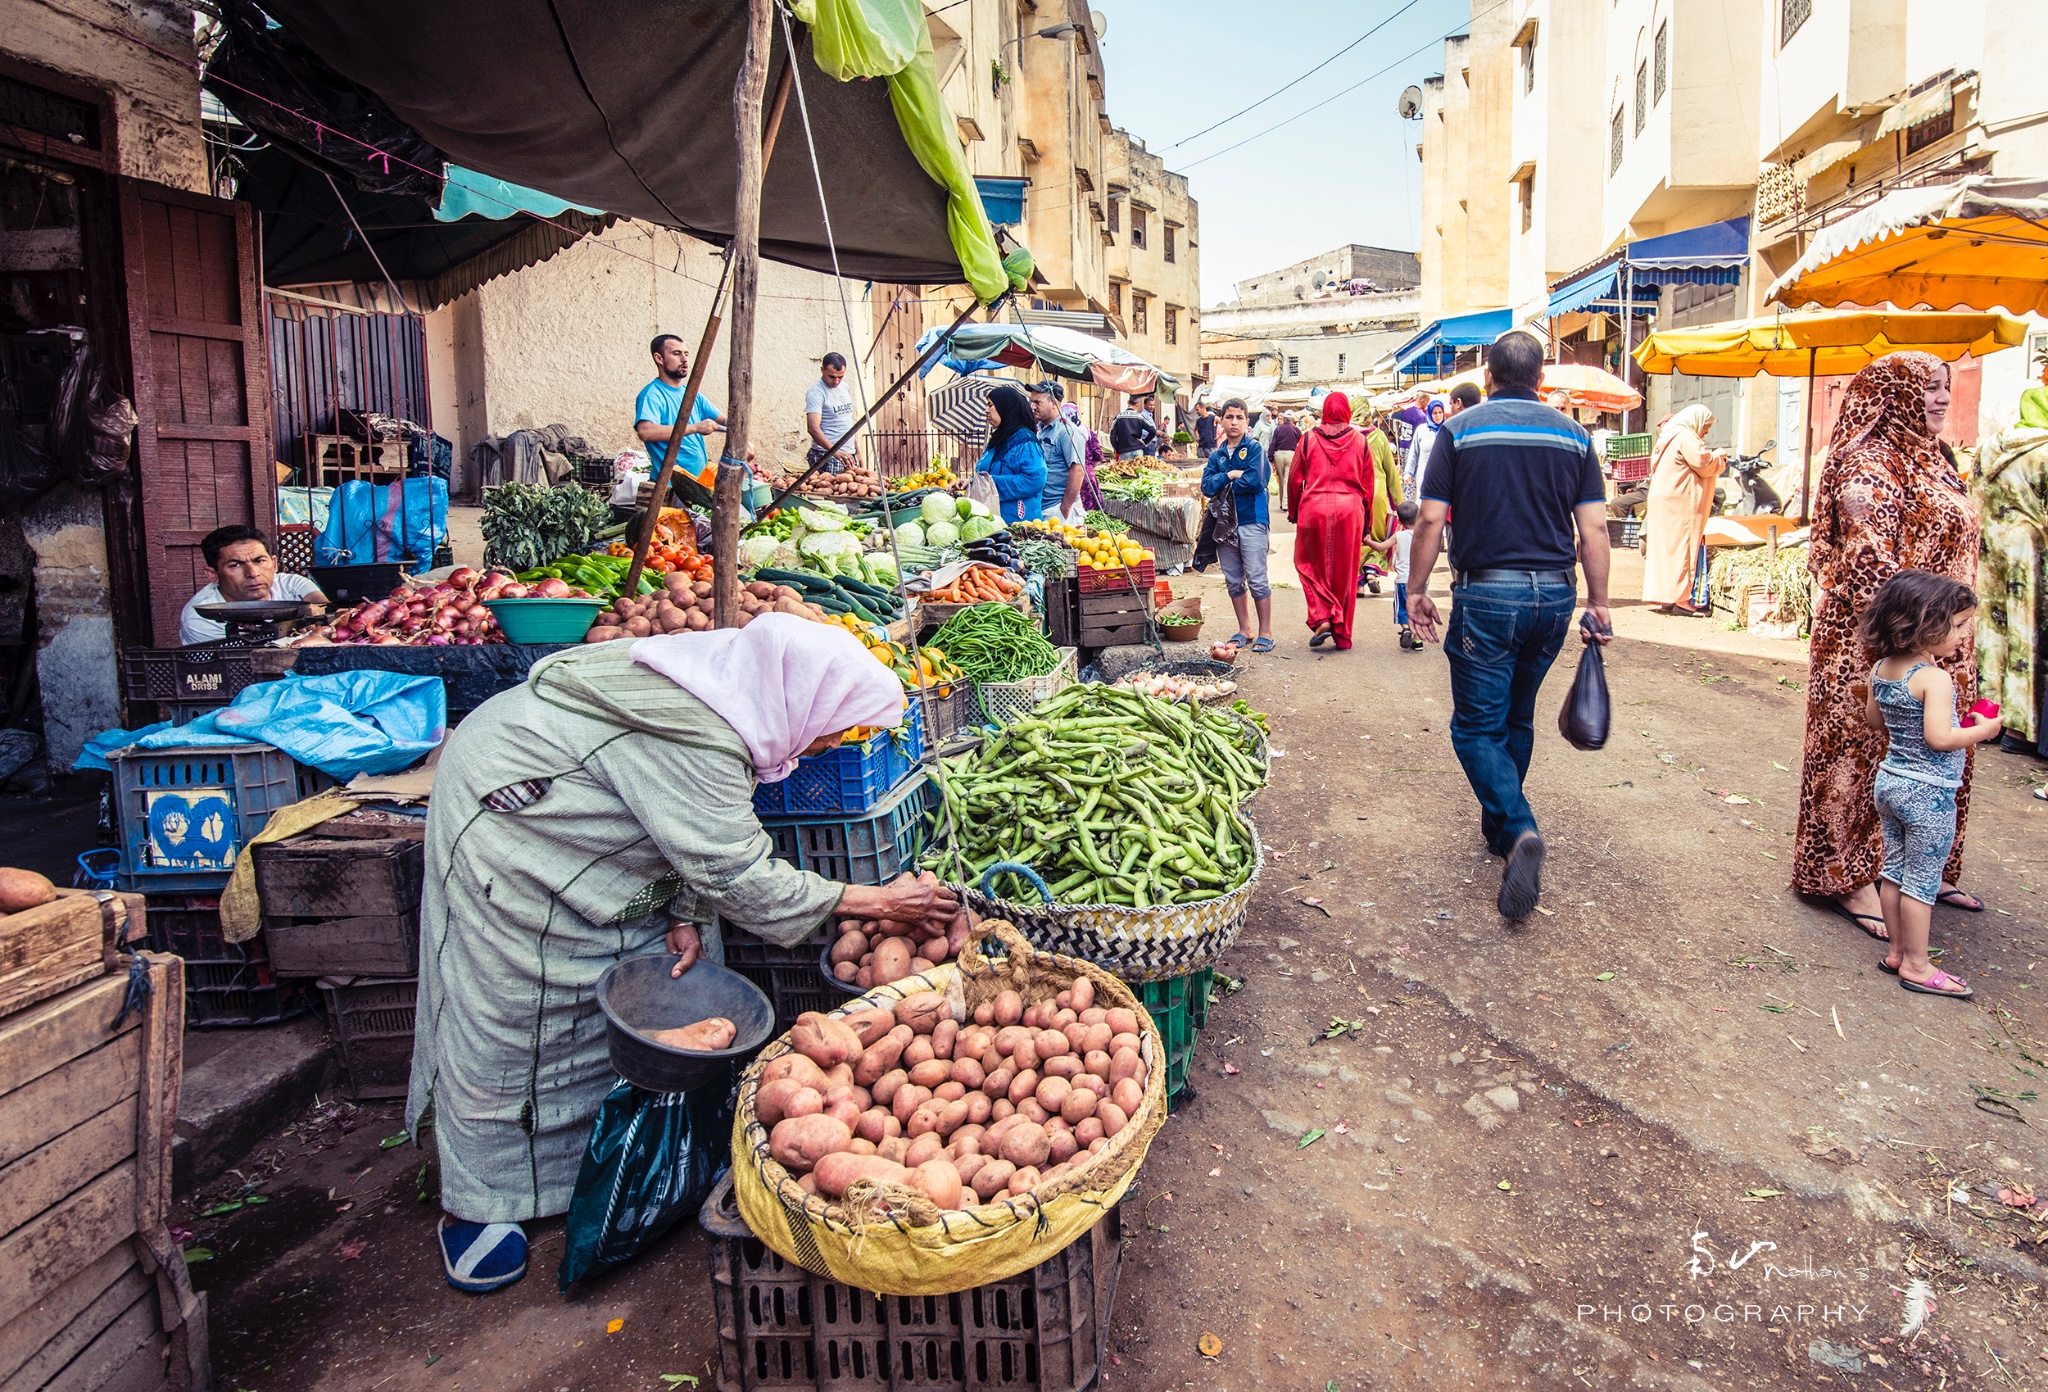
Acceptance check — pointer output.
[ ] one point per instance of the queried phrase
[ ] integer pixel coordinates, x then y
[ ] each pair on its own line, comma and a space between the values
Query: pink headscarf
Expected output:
780, 682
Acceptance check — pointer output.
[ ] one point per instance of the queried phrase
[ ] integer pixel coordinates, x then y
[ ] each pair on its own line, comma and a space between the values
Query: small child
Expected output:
1917, 620
1403, 539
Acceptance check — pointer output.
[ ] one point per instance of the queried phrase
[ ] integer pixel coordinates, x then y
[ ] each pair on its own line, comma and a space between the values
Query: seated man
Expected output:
243, 569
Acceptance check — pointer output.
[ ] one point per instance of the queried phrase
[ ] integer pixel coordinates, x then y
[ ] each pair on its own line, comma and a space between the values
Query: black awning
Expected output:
628, 107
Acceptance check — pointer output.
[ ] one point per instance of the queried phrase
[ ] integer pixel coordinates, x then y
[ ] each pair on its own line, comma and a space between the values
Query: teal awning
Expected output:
470, 194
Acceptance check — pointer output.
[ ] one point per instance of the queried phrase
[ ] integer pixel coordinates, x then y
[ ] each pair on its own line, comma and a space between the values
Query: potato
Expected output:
1063, 1147
774, 1101
1051, 1043
1033, 1110
926, 1145
859, 1145
953, 1116
1078, 1106
1125, 1063
993, 1178
1064, 998
985, 1013
870, 1025
1052, 1092
892, 961
1065, 1066
931, 1073
837, 1173
700, 622
884, 1088
1025, 1144
1009, 1008
967, 1166
1024, 1181
907, 1100
918, 1050
1009, 1037
920, 965
881, 1057
846, 1110
1002, 1108
938, 1181
1094, 1015
864, 978
967, 1072
1128, 1095
840, 1075
794, 1066
850, 947
945, 1034
924, 1121
979, 1107
1083, 993
825, 1041
1095, 1038
638, 627
1088, 1130
923, 1011
1112, 1117
1121, 1021
807, 1183
1022, 1086
997, 1083
798, 1143
894, 1148
874, 1125
1096, 1061
950, 1091
1025, 1056
1062, 1020
847, 972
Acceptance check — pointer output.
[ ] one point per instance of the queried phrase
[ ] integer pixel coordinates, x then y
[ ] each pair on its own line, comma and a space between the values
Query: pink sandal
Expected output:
1940, 984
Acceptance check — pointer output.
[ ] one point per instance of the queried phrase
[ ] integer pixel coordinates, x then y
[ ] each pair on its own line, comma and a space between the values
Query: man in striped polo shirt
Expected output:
1521, 480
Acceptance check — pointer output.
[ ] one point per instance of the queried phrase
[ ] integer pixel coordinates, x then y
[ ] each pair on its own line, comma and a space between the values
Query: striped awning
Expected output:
1435, 348
1710, 255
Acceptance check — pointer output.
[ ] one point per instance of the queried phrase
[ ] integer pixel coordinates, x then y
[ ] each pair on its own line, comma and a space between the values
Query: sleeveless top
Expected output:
1905, 718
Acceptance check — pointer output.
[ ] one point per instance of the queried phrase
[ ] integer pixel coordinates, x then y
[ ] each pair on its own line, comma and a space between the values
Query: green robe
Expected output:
2011, 491
1387, 496
645, 801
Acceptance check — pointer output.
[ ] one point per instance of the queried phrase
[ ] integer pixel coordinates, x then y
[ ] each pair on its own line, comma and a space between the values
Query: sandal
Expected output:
479, 1258
1862, 921
1886, 967
1939, 984
1264, 645
1960, 899
1240, 640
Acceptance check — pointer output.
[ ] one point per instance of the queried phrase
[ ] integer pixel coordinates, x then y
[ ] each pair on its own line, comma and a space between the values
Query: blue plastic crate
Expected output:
186, 812
851, 778
868, 848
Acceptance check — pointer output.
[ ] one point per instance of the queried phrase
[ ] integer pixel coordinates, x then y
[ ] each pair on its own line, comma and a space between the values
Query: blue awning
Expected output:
1710, 255
1434, 349
468, 193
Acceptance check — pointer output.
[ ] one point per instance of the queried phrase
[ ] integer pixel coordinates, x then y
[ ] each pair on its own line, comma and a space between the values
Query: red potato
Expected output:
1096, 1061
1122, 1041
923, 1146
1124, 1063
860, 1145
793, 1066
978, 1108
846, 1110
950, 1091
1064, 998
993, 1059
1026, 1144
1023, 1182
907, 1100
953, 1116
1025, 1056
1078, 1106
847, 972
1088, 1131
1094, 1015
968, 1165
1112, 1117
1022, 1086
967, 1072
882, 1057
864, 978
945, 1035
918, 1050
874, 1125
798, 1143
1077, 1036
1001, 1108
1009, 1037
840, 1075
871, 1025
1084, 993
1052, 1092
851, 947
837, 1173
1095, 1038
825, 1041
1065, 1066
1098, 1145
806, 1183
997, 1083
993, 1178
884, 1088
1121, 1021
939, 1182
1033, 1110
1062, 1020
957, 936
984, 1014
786, 1097
895, 1148
1063, 1147
931, 1073
1009, 1008
920, 965
923, 1011
1051, 1043
924, 1121
1128, 1095
892, 961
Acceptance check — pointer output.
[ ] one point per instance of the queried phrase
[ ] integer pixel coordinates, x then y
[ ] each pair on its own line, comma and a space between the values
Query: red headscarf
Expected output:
1336, 409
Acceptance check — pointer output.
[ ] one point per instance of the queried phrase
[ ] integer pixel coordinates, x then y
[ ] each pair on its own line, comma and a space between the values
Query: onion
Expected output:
552, 588
462, 577
438, 640
515, 590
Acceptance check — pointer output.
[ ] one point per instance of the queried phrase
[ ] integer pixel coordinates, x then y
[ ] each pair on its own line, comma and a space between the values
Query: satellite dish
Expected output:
1319, 279
1099, 22
1410, 105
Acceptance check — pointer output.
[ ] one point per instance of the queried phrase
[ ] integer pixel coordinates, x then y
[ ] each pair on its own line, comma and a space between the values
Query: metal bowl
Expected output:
638, 996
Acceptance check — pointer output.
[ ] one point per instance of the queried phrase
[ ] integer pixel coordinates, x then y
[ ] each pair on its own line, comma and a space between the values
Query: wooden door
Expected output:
201, 380
900, 443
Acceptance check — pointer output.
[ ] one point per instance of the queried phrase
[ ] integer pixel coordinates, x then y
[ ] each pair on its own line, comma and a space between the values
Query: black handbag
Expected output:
1219, 528
1584, 717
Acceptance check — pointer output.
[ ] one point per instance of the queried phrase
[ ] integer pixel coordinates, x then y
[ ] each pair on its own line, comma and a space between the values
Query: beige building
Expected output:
1151, 249
1467, 115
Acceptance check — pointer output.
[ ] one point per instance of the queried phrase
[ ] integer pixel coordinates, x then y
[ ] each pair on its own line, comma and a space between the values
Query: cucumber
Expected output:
811, 585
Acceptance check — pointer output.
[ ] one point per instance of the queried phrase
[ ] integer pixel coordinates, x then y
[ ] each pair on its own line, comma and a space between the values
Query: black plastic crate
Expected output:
868, 848
783, 1329
226, 984
205, 675
371, 1020
788, 976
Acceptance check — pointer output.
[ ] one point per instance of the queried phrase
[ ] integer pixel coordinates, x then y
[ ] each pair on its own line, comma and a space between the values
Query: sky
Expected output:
1346, 172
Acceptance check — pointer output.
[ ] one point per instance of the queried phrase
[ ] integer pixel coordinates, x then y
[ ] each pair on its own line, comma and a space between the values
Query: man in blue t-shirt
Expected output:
654, 413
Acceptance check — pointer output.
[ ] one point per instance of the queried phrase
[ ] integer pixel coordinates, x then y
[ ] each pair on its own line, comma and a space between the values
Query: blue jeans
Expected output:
1401, 603
1501, 641
1918, 820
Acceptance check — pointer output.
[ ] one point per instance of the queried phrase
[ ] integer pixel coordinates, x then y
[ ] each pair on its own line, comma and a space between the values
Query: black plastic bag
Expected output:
1584, 717
652, 1159
1219, 528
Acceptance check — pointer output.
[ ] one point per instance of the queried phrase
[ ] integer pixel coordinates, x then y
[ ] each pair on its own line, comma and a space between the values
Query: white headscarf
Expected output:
780, 682
1698, 418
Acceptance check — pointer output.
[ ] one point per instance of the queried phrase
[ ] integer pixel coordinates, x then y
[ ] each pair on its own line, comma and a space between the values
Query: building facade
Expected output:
1152, 253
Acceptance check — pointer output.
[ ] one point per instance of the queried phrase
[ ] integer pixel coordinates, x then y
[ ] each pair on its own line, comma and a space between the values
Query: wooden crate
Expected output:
1113, 620
57, 945
341, 905
93, 1290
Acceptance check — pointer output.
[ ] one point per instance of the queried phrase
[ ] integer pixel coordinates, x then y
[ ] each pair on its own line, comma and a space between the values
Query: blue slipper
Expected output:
482, 1257
1264, 645
1240, 640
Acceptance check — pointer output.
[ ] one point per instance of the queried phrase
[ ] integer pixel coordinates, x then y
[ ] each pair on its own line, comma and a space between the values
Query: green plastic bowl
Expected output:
544, 620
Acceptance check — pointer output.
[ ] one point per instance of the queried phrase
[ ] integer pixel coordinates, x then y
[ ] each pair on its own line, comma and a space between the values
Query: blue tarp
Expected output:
1710, 255
368, 523
1434, 349
470, 194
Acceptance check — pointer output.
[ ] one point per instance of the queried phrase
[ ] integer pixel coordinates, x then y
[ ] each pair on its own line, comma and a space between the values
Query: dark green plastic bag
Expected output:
653, 1157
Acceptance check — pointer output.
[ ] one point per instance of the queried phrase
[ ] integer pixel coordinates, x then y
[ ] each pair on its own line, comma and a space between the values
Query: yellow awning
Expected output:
1827, 343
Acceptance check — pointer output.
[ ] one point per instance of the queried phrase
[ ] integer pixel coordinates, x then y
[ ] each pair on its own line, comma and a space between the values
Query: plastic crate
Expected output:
851, 778
1179, 1007
951, 715
226, 984
1629, 446
1139, 577
869, 849
371, 1021
788, 976
1629, 470
186, 812
1005, 703
783, 1329
206, 675
1624, 532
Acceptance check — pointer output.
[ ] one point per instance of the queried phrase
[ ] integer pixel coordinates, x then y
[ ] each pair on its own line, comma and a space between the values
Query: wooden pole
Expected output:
744, 256
1806, 455
712, 322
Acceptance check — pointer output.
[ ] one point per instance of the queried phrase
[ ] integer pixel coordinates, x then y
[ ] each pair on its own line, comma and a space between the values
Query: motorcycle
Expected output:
1754, 496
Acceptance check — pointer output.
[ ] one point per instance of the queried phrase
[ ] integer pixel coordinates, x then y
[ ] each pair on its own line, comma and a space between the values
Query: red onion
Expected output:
462, 576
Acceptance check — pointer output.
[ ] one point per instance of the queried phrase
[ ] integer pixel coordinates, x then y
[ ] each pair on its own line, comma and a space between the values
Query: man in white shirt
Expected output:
243, 569
828, 414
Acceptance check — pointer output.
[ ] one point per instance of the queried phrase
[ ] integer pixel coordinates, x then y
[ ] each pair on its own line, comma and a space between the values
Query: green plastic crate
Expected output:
1179, 1007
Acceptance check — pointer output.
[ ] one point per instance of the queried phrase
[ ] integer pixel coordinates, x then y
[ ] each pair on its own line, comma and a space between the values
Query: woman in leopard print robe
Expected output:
1889, 500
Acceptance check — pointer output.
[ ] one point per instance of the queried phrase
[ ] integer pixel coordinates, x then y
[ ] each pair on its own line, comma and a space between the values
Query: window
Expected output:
1529, 65
1340, 364
1794, 14
1168, 248
1140, 321
1116, 296
1294, 367
1137, 227
1115, 214
1927, 132
1614, 133
1172, 324
1642, 96
1663, 58
1526, 188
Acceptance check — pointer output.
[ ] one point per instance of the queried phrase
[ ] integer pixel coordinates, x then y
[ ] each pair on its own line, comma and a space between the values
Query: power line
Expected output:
1303, 78
1424, 48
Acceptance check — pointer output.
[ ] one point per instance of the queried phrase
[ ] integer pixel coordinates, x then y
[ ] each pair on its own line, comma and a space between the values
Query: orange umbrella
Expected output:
1591, 387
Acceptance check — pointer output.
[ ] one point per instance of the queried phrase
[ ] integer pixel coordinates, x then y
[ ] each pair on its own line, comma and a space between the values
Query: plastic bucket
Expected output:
638, 997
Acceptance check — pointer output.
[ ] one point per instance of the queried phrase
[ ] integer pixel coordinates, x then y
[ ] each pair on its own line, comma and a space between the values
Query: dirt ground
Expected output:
1674, 1130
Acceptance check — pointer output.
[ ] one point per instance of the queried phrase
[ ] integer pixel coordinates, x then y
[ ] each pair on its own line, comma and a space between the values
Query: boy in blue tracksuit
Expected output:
1240, 465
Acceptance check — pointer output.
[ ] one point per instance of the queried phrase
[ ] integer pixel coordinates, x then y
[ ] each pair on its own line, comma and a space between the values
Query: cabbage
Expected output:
969, 507
815, 520
937, 506
831, 553
786, 557
909, 534
978, 528
941, 534
759, 551
882, 567
827, 505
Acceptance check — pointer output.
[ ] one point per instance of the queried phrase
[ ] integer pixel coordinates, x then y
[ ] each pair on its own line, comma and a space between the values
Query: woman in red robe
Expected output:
1329, 496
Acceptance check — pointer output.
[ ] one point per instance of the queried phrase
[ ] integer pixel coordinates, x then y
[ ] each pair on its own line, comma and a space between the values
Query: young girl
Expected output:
1916, 620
